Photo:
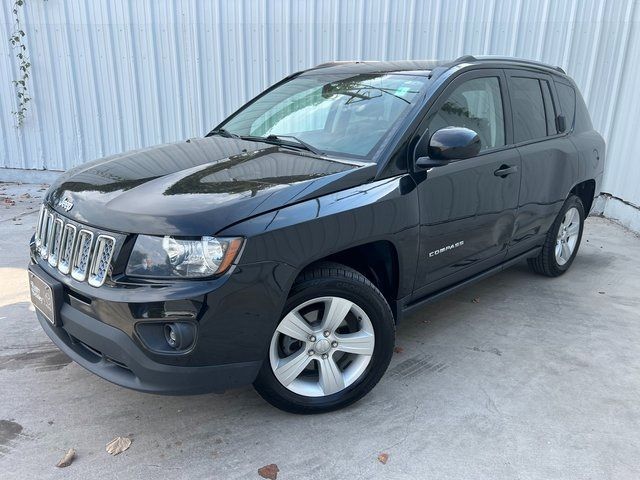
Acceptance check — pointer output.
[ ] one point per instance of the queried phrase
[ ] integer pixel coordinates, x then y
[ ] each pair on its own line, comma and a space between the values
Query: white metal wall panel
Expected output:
114, 75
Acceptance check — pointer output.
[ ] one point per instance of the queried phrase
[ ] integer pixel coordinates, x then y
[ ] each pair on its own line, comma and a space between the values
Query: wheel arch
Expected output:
585, 191
377, 261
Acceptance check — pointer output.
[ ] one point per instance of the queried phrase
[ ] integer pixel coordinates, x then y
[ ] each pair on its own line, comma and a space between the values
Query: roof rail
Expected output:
334, 63
489, 58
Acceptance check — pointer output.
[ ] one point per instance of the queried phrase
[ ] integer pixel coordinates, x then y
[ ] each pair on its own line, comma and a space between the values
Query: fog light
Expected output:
179, 335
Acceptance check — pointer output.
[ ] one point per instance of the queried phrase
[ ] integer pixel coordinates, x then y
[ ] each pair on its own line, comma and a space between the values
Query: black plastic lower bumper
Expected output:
112, 355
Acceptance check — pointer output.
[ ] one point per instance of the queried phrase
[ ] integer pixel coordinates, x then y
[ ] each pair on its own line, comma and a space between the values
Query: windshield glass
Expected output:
343, 114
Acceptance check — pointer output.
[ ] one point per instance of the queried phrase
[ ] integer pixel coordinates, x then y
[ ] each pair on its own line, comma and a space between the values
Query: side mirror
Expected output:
446, 144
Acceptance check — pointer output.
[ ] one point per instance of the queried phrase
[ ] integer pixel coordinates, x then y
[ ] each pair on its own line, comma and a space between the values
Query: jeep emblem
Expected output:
66, 204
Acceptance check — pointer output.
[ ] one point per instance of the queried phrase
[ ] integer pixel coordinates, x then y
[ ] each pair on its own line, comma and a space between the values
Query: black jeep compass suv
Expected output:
283, 248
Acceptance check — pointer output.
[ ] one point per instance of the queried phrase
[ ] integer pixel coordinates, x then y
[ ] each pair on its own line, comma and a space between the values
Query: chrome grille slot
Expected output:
101, 259
82, 255
54, 241
66, 248
45, 234
38, 236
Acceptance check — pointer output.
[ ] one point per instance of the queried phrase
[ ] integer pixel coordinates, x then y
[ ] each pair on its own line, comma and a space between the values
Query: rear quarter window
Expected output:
567, 99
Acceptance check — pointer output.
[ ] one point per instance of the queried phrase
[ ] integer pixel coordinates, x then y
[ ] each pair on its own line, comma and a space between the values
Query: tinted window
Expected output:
549, 109
567, 97
475, 104
529, 121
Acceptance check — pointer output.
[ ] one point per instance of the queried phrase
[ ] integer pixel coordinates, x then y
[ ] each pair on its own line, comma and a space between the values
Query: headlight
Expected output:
162, 257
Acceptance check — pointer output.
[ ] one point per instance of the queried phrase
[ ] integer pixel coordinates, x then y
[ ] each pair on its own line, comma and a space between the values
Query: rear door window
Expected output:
527, 103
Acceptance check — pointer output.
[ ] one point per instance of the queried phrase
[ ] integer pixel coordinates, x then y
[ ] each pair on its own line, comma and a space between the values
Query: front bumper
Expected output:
112, 355
98, 329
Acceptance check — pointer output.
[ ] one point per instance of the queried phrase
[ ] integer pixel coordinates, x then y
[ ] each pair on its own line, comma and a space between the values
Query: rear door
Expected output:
549, 158
467, 208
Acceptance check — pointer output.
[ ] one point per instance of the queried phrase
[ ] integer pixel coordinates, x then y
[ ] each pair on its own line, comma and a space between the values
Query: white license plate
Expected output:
42, 297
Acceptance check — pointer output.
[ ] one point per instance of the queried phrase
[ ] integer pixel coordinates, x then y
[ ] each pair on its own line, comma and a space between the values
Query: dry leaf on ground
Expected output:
398, 349
476, 300
67, 459
118, 445
269, 471
383, 458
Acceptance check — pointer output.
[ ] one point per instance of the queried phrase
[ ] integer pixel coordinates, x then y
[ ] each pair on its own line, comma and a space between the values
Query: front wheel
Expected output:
563, 240
332, 345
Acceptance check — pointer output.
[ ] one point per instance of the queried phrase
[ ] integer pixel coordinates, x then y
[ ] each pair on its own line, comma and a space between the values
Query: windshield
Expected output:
343, 114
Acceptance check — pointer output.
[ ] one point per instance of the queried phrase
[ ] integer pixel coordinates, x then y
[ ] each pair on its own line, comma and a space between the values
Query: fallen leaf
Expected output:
25, 195
601, 293
67, 459
398, 349
383, 458
8, 201
476, 300
118, 445
269, 471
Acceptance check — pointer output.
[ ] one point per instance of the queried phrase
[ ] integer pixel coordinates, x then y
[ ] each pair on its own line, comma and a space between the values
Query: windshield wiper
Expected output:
297, 141
282, 140
223, 133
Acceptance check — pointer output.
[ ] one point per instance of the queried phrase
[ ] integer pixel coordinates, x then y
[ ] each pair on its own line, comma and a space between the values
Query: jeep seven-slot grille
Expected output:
75, 250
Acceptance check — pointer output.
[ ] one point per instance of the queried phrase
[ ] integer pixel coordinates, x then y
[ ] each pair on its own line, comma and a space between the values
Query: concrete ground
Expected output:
519, 376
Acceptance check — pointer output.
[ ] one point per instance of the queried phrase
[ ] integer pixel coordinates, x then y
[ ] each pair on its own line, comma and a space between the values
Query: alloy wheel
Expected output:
568, 233
322, 346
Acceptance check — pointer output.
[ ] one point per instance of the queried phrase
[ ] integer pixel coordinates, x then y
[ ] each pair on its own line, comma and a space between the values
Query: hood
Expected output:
197, 187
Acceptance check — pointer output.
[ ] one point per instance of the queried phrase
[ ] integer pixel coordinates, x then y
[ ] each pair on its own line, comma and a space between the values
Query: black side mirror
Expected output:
446, 144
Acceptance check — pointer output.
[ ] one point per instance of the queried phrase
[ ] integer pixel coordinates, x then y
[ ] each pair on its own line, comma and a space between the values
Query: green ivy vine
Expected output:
17, 42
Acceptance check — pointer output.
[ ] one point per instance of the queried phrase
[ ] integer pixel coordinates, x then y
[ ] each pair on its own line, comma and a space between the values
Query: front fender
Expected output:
300, 234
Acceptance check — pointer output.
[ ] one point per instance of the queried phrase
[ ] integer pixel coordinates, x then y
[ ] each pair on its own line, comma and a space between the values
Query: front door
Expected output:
468, 207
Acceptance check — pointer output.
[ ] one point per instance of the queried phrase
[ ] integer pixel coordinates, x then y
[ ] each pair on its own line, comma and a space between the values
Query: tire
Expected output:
334, 378
569, 220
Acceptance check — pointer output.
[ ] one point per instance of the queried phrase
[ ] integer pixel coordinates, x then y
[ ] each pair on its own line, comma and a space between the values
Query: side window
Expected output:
475, 104
549, 110
529, 121
567, 98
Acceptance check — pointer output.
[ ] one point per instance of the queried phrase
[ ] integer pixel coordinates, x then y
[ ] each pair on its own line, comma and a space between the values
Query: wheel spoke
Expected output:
574, 216
566, 252
289, 368
331, 379
336, 310
558, 249
294, 326
360, 343
573, 229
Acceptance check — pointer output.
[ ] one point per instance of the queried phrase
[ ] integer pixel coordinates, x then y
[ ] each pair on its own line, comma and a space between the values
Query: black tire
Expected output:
327, 279
545, 263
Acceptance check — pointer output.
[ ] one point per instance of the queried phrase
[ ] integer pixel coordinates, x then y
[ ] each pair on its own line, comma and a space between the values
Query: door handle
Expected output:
505, 170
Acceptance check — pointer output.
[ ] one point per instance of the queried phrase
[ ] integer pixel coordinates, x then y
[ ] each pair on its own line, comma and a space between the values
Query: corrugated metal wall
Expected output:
113, 75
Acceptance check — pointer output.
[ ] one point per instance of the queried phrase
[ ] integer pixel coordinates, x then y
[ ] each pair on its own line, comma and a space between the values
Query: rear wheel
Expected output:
332, 345
562, 242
